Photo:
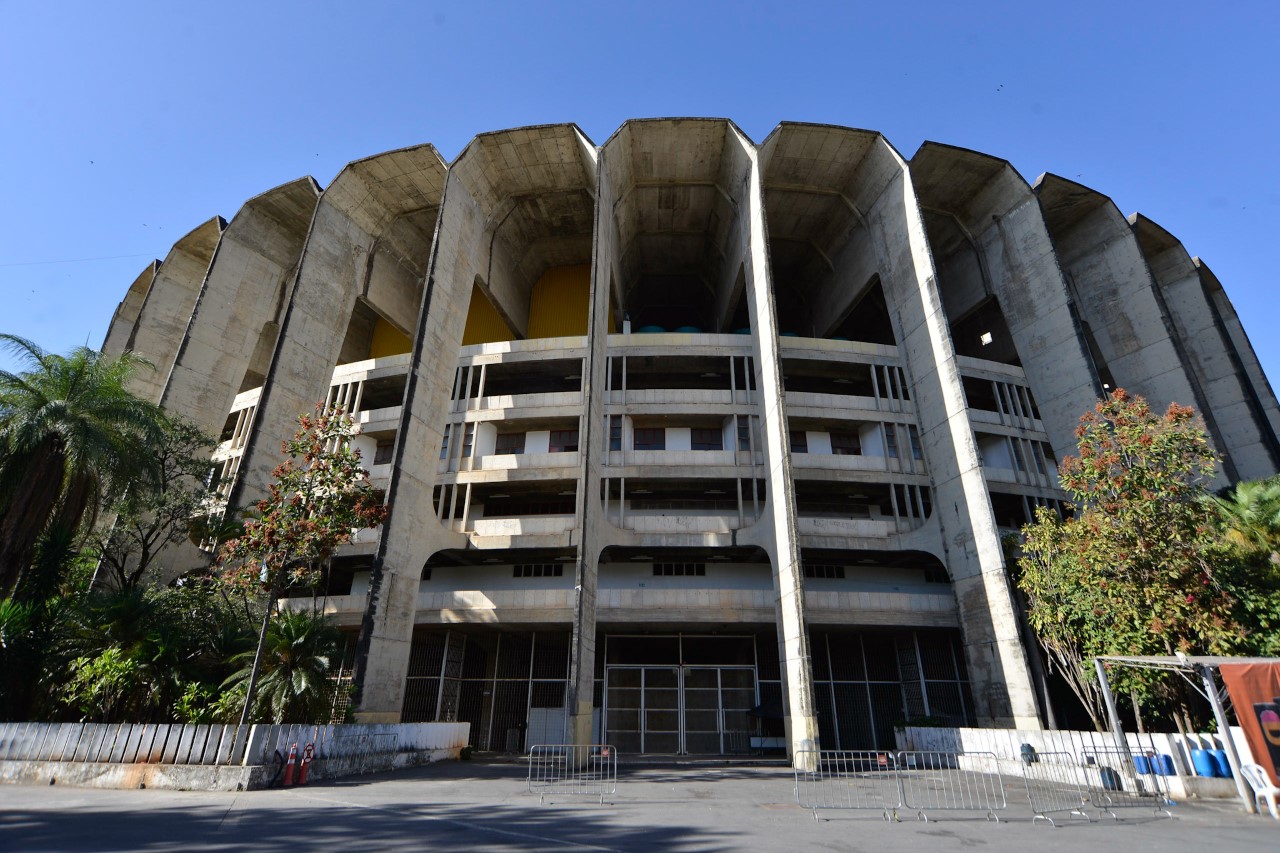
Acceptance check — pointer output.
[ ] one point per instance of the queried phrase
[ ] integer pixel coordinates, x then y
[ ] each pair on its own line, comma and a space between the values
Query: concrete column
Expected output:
994, 205
383, 203
1116, 295
162, 321
125, 319
1239, 428
777, 529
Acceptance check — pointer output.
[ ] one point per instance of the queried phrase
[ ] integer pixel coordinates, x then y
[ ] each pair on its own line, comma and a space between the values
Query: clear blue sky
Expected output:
123, 125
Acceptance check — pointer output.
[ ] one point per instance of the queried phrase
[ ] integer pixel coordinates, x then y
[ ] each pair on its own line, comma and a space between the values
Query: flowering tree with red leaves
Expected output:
1131, 571
319, 497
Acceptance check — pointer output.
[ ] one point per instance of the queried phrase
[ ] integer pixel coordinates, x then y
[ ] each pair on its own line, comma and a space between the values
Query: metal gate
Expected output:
678, 709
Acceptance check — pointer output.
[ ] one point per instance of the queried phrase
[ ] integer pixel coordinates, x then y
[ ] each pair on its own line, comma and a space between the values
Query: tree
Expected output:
71, 435
151, 517
294, 685
1250, 515
1131, 571
311, 509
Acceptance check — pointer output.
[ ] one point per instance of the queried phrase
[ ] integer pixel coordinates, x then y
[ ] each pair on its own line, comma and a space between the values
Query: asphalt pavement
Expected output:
474, 805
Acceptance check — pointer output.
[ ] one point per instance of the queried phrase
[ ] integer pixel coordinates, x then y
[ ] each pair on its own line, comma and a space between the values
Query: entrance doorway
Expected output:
689, 704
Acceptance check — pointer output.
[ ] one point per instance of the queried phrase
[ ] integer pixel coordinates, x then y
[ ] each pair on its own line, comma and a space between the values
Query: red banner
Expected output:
1255, 693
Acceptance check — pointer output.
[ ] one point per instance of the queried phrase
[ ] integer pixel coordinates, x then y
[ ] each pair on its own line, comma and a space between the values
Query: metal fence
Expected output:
1125, 778
949, 781
573, 770
1056, 785
848, 779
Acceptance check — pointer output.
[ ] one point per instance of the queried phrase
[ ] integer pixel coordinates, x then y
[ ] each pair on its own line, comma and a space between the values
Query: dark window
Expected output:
509, 443
444, 443
384, 452
744, 432
845, 444
564, 441
468, 437
799, 441
917, 452
890, 441
823, 571
615, 432
500, 507
649, 439
679, 569
707, 439
936, 576
538, 570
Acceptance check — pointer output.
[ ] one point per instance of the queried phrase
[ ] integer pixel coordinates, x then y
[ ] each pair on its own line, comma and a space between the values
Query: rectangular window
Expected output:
823, 571
384, 451
468, 440
679, 569
917, 452
845, 444
890, 441
799, 441
615, 432
744, 432
444, 442
538, 570
707, 439
649, 439
564, 441
509, 444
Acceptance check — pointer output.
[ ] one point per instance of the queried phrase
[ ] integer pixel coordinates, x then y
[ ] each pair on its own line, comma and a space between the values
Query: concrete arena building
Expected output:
683, 425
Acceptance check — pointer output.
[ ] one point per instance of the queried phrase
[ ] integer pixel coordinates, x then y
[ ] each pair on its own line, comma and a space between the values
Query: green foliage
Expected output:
318, 498
149, 517
72, 437
295, 684
1130, 572
104, 687
311, 509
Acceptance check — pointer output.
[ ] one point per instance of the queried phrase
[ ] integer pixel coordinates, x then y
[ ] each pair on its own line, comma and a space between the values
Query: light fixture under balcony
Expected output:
641, 492
708, 375
714, 492
641, 558
499, 496
491, 560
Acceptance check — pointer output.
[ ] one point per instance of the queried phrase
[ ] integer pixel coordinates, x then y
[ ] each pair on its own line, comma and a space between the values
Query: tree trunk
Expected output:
257, 658
28, 511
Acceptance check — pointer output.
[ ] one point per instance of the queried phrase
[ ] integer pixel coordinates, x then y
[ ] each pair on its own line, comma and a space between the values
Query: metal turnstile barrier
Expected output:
573, 770
848, 779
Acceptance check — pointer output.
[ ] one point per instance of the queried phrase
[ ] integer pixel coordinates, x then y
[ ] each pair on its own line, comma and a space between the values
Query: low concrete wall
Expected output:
188, 757
1006, 745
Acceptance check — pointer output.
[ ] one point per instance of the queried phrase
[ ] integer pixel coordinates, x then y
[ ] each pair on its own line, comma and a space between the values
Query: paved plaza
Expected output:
484, 806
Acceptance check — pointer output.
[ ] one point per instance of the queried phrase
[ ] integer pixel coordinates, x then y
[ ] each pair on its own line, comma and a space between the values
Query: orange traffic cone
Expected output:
307, 755
288, 767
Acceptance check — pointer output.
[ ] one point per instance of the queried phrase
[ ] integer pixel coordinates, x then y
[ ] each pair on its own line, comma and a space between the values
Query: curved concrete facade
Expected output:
693, 444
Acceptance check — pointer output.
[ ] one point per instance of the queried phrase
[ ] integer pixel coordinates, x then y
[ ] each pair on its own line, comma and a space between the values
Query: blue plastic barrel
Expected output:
650, 330
1202, 762
1142, 764
1221, 767
1164, 765
688, 330
743, 331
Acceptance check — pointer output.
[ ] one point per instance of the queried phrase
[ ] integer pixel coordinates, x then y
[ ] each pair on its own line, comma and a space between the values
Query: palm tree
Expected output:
1250, 515
71, 434
294, 686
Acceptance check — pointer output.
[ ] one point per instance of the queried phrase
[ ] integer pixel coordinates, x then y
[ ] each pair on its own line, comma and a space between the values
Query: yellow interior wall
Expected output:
388, 340
558, 304
484, 323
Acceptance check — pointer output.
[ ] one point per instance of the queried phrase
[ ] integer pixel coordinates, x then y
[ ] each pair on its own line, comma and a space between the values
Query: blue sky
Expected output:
127, 124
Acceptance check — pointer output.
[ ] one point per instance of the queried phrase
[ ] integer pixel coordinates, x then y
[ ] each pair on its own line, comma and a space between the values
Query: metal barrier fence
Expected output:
1124, 778
848, 779
578, 770
949, 781
1056, 785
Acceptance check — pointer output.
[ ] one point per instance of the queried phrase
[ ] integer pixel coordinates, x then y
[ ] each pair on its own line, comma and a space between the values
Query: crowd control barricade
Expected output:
1056, 787
931, 782
1124, 778
573, 770
848, 779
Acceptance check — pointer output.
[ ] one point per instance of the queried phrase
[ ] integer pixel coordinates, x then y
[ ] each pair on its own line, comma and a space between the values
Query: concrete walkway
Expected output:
482, 806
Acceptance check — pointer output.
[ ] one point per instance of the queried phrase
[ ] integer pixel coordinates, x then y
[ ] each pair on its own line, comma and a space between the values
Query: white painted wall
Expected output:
537, 441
